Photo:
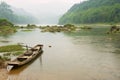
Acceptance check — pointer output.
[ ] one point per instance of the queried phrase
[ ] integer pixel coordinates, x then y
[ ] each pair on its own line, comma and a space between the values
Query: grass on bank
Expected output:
7, 30
26, 30
11, 48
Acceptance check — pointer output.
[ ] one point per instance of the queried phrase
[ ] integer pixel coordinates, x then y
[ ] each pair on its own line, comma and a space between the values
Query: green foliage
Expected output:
69, 25
65, 28
4, 22
6, 27
10, 48
26, 30
31, 26
93, 11
7, 30
18, 53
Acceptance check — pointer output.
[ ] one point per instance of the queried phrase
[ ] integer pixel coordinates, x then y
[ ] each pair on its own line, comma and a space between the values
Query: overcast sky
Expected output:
44, 7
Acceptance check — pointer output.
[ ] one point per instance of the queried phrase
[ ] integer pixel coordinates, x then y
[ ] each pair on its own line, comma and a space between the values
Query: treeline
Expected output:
93, 11
7, 13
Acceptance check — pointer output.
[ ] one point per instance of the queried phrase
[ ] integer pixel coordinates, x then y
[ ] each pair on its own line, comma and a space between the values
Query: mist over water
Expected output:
46, 11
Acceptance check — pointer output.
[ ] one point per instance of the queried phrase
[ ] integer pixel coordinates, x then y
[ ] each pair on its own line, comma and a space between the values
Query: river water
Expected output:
83, 55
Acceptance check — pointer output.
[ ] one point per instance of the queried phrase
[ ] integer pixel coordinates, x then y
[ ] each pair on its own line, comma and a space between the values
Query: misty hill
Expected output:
93, 11
15, 15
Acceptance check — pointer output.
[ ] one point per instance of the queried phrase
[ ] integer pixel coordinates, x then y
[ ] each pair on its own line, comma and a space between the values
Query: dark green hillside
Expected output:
93, 11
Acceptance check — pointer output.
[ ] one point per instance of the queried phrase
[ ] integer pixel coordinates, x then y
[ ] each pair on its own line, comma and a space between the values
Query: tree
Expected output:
93, 11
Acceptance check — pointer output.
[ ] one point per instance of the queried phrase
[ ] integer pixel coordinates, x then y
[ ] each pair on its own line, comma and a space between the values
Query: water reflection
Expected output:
40, 58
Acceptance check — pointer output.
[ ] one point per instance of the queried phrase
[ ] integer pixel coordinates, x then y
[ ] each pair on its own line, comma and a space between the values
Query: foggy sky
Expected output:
44, 9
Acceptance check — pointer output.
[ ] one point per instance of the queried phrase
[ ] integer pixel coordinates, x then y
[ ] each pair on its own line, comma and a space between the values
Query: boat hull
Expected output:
23, 59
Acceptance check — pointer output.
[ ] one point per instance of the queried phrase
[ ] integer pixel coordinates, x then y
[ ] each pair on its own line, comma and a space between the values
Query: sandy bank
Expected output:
3, 74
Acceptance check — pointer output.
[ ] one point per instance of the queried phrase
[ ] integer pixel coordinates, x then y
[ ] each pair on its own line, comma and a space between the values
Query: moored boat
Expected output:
26, 57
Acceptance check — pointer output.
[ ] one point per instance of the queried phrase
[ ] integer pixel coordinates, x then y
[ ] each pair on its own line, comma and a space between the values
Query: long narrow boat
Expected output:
26, 57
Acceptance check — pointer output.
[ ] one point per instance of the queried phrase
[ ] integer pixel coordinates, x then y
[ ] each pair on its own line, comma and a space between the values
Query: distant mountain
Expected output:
93, 11
15, 15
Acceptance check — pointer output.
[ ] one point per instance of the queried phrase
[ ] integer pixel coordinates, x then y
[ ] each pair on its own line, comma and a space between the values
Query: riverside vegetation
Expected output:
6, 51
64, 28
6, 27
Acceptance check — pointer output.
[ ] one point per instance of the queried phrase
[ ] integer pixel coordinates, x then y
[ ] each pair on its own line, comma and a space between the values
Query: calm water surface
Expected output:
84, 55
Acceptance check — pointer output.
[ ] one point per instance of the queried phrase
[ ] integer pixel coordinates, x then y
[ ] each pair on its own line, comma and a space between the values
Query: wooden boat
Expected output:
26, 57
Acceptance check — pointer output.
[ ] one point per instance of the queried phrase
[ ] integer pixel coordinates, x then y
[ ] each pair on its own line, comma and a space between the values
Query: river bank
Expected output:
3, 70
3, 74
98, 24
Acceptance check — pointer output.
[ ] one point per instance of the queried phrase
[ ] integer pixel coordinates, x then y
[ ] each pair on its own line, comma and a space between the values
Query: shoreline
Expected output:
3, 74
94, 25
